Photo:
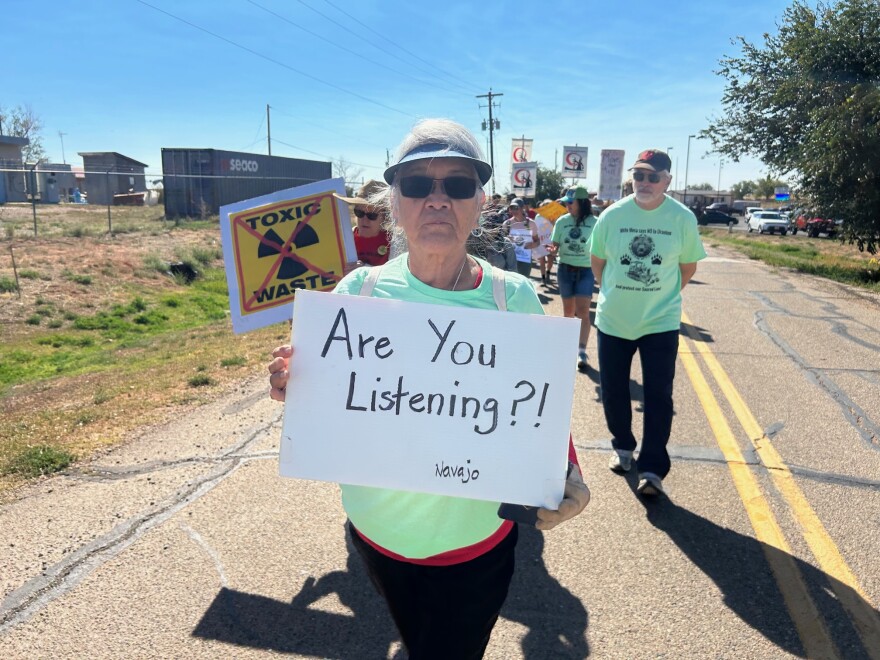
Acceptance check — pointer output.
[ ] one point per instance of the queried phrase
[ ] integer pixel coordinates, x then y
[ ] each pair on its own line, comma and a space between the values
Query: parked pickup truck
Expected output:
812, 227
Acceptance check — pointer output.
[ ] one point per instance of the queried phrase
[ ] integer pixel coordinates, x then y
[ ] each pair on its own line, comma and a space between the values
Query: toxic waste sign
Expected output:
277, 244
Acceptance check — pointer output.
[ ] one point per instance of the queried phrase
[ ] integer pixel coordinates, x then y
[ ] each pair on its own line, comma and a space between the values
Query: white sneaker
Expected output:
620, 461
650, 485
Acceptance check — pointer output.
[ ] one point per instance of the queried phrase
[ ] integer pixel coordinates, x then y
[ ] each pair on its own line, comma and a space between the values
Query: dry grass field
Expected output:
97, 338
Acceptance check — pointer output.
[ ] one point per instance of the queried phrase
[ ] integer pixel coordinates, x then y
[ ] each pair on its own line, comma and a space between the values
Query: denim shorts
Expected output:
574, 281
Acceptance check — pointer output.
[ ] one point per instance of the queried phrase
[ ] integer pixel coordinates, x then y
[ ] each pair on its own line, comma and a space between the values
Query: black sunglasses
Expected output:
419, 187
371, 215
653, 177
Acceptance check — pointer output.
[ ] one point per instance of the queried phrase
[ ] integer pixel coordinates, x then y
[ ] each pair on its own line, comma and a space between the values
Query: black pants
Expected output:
657, 353
443, 612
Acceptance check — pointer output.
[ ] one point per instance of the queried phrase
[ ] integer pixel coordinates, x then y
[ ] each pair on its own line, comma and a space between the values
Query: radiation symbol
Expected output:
290, 267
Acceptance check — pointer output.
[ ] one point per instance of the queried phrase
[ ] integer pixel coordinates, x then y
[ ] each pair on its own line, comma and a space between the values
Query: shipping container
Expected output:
197, 182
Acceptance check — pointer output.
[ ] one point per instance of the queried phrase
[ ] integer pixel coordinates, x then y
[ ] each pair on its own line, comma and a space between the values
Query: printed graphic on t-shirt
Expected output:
576, 241
640, 259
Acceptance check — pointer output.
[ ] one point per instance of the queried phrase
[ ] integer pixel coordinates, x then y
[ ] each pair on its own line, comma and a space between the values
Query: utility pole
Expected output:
687, 163
268, 130
61, 135
492, 127
720, 163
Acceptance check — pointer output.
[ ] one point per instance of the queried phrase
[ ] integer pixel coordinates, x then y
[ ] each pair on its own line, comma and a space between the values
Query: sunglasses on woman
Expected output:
456, 187
371, 215
653, 177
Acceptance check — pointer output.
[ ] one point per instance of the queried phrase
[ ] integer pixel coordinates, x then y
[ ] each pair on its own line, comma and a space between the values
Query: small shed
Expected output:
109, 173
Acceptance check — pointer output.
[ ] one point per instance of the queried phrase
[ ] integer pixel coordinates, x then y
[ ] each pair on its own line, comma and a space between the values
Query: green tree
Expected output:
743, 188
550, 184
766, 188
22, 121
807, 103
701, 186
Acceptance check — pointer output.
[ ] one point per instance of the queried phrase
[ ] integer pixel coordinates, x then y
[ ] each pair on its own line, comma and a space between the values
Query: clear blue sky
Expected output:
348, 79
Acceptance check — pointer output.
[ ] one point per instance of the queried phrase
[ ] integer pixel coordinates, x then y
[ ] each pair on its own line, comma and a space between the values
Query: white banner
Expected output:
524, 179
521, 151
428, 398
611, 173
574, 162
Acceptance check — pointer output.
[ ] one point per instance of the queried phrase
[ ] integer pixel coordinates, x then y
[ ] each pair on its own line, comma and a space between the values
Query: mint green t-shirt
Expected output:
573, 240
640, 293
420, 525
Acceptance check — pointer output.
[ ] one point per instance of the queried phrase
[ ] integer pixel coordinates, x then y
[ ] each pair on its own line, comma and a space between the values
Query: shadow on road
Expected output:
556, 619
255, 621
696, 333
740, 567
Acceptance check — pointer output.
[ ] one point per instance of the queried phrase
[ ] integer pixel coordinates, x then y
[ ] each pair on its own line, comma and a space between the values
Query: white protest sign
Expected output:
521, 151
545, 231
429, 398
574, 162
611, 173
524, 179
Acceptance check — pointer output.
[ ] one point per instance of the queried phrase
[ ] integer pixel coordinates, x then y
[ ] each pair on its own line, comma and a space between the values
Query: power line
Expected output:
348, 50
333, 130
257, 136
274, 61
384, 50
410, 53
330, 158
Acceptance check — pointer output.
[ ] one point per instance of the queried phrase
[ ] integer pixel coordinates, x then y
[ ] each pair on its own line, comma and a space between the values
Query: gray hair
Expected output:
427, 131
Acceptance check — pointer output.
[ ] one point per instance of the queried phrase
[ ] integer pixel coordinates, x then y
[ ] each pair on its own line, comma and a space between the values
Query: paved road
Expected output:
185, 543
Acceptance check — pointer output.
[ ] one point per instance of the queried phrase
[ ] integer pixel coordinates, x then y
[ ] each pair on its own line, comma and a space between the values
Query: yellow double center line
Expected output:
811, 628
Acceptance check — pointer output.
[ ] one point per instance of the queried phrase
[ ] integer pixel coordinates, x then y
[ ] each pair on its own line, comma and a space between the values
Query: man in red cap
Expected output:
644, 250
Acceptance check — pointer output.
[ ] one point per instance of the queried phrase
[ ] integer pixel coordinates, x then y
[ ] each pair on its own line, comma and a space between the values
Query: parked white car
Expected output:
750, 210
768, 221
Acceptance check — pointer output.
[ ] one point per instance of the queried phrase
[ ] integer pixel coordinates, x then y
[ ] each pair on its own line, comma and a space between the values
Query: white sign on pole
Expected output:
574, 162
524, 179
611, 173
521, 151
428, 398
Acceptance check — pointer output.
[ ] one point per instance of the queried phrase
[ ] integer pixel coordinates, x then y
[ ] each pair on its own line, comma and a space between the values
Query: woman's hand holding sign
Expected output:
278, 372
577, 496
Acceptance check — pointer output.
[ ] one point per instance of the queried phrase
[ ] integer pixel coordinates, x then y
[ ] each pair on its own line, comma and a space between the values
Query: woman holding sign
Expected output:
442, 563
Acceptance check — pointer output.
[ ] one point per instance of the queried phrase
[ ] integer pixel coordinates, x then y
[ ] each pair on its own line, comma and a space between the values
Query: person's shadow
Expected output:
556, 619
740, 567
251, 620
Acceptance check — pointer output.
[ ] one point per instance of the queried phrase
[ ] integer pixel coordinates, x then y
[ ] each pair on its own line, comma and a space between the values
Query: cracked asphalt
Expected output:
185, 542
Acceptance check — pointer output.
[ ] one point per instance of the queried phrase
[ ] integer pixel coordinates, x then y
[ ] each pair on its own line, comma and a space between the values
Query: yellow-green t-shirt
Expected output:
420, 525
640, 293
573, 240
